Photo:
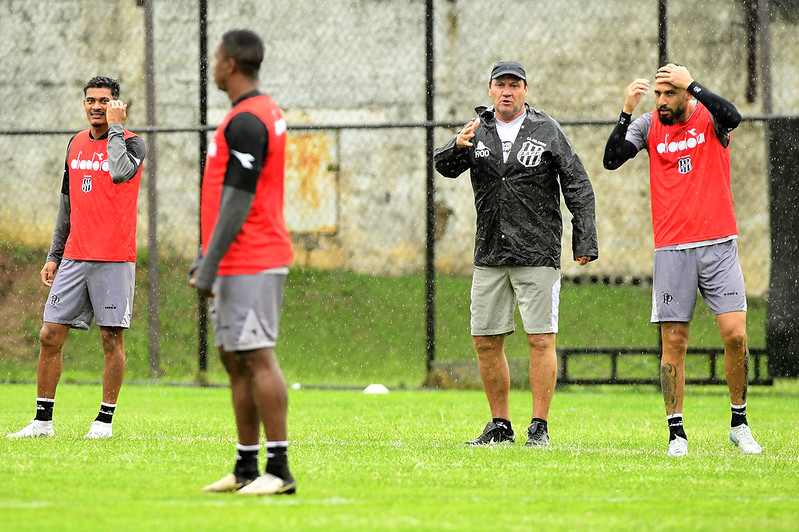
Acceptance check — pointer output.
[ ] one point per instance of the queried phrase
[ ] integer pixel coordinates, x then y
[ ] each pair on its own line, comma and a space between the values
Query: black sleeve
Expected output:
619, 150
247, 139
724, 112
65, 177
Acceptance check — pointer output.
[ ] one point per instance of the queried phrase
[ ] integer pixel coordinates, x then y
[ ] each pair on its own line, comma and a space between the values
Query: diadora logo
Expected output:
245, 159
681, 145
530, 153
97, 162
481, 150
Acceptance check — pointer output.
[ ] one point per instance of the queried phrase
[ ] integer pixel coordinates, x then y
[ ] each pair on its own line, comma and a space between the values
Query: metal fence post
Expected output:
152, 194
430, 258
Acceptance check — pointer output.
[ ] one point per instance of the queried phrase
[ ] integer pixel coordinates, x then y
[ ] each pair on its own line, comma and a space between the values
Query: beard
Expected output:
671, 118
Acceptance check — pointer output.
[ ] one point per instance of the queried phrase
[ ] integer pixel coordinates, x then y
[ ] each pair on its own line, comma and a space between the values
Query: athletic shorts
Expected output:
86, 290
497, 290
713, 269
246, 310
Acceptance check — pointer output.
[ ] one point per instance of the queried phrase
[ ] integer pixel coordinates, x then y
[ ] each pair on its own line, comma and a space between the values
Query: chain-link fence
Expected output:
367, 86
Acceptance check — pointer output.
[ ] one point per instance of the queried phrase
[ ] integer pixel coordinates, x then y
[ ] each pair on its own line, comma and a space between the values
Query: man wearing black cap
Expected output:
520, 161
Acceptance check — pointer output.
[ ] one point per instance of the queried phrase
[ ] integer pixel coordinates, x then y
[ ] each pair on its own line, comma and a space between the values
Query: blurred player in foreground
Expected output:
93, 253
688, 141
520, 161
243, 262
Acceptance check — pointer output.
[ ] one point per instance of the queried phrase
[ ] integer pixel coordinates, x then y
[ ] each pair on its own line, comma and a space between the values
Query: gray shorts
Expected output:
496, 291
83, 290
246, 310
713, 269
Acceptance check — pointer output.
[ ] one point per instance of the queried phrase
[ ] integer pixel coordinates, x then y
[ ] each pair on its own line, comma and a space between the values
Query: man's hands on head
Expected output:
674, 75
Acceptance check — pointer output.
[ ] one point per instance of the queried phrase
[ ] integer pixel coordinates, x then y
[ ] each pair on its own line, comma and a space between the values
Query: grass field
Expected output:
393, 462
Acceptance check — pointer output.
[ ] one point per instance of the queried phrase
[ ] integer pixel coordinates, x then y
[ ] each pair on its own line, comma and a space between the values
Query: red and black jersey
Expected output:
263, 241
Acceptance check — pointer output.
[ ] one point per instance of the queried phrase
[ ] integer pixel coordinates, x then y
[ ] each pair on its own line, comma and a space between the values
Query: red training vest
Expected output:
263, 241
102, 214
689, 174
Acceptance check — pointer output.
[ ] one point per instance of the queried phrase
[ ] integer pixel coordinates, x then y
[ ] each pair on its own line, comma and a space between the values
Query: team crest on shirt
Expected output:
86, 186
530, 153
684, 164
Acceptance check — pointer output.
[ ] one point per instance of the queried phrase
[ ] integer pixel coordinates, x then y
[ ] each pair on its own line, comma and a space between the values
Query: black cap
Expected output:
512, 68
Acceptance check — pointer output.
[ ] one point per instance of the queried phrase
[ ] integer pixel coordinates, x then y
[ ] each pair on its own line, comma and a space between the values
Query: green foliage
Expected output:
394, 462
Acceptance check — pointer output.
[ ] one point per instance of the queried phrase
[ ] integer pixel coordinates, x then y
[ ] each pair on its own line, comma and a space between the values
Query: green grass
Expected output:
340, 328
393, 462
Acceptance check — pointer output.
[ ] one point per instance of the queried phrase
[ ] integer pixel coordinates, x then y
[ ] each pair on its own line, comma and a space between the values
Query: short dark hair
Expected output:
246, 48
103, 82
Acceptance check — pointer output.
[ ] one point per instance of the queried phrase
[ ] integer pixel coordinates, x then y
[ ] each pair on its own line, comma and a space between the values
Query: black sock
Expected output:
44, 409
277, 462
542, 421
246, 467
504, 424
738, 415
106, 414
676, 427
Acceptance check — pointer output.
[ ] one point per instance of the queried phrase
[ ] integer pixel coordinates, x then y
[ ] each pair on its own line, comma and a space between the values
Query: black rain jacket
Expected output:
518, 202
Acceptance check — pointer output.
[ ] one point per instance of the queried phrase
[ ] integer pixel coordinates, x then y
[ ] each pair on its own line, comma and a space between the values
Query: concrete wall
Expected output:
356, 197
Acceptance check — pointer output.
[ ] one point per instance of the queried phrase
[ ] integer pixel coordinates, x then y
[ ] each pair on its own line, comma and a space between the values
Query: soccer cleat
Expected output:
268, 484
227, 483
678, 446
741, 436
36, 429
99, 430
537, 435
492, 434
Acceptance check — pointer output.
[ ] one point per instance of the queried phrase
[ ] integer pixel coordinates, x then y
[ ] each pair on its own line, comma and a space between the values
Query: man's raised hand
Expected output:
467, 134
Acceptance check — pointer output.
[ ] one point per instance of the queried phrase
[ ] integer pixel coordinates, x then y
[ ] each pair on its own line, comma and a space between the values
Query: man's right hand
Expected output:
467, 134
48, 273
634, 93
117, 111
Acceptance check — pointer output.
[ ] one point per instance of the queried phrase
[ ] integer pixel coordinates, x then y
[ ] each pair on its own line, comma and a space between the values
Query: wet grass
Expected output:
394, 462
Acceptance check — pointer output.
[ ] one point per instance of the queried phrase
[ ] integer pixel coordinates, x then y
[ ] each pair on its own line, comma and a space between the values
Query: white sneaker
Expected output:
226, 483
678, 447
36, 429
268, 484
742, 437
99, 430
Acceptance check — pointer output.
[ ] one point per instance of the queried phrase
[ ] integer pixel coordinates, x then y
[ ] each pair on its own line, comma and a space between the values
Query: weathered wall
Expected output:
356, 196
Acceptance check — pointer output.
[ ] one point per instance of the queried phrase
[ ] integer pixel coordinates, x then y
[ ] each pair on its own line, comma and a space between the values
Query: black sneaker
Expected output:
492, 434
537, 435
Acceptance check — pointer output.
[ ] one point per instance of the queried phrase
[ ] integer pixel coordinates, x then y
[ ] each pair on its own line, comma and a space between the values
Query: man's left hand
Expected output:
202, 291
583, 260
